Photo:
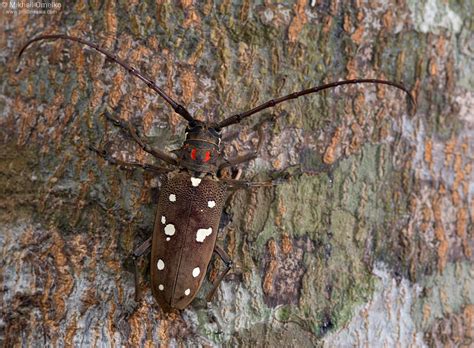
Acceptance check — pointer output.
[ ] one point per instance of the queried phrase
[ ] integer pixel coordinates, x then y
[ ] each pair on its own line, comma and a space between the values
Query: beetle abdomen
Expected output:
186, 224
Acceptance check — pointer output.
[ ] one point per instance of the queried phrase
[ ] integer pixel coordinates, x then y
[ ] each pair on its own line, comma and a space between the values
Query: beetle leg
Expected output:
131, 130
228, 265
248, 156
142, 249
138, 252
277, 179
105, 155
245, 184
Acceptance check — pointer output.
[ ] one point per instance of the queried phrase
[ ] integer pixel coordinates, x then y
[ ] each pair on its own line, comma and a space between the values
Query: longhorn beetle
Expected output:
192, 196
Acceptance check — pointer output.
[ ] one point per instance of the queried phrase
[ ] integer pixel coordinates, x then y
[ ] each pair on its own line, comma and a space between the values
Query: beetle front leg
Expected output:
131, 130
105, 155
228, 265
248, 156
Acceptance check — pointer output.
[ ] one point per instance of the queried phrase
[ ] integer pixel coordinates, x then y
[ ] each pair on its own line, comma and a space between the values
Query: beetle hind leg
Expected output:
129, 307
228, 265
138, 252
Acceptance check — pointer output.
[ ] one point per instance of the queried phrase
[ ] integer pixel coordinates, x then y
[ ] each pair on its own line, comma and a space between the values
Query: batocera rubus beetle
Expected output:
192, 196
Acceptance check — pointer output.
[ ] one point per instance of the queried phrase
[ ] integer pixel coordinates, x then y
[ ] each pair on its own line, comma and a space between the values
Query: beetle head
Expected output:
200, 151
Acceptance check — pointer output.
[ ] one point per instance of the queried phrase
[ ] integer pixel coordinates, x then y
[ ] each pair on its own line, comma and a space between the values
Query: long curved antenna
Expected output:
179, 109
239, 117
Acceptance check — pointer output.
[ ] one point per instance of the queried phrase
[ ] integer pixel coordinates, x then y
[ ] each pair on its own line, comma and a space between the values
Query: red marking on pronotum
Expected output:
208, 156
193, 154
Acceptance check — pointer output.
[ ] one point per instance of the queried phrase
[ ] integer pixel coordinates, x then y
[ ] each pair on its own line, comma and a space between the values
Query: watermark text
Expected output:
30, 6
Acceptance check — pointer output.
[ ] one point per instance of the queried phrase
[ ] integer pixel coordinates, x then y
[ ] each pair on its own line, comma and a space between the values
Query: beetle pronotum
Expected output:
192, 196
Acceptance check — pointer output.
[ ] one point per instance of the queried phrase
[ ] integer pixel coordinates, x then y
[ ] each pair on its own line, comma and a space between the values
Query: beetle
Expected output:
192, 195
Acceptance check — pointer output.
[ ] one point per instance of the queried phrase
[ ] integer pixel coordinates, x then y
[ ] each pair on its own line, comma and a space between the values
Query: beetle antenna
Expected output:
179, 109
239, 117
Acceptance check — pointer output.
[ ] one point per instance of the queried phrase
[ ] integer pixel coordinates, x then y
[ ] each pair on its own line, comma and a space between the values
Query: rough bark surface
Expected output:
369, 244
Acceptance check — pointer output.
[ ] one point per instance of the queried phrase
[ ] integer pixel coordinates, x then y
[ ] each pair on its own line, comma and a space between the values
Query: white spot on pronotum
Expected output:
202, 233
211, 204
161, 287
168, 239
163, 220
195, 181
187, 292
169, 229
160, 264
196, 272
172, 197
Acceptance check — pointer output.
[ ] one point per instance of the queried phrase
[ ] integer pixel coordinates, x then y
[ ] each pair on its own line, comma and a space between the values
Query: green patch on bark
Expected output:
339, 219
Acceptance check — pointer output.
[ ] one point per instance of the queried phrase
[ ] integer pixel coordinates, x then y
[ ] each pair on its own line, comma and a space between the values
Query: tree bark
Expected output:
368, 244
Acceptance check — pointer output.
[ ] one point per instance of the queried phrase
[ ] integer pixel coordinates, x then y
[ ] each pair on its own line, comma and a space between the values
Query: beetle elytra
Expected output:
192, 195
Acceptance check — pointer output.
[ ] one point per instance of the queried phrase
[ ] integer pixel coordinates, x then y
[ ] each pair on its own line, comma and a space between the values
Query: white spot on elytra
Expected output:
195, 181
211, 204
160, 264
170, 230
187, 292
163, 220
196, 272
168, 239
202, 233
161, 287
172, 197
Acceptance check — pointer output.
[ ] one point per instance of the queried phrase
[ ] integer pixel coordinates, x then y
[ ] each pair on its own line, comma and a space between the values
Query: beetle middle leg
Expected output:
245, 184
228, 265
131, 130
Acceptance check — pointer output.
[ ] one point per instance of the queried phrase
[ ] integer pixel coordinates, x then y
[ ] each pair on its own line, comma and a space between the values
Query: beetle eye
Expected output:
193, 154
208, 156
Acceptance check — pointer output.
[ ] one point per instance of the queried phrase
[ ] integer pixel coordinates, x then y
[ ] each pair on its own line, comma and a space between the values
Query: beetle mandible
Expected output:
192, 196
